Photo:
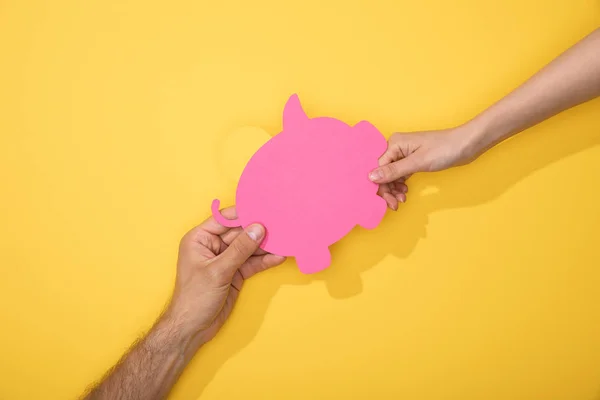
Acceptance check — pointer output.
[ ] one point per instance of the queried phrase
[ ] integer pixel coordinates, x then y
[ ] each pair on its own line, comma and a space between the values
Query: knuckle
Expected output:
398, 138
390, 170
189, 237
241, 245
184, 241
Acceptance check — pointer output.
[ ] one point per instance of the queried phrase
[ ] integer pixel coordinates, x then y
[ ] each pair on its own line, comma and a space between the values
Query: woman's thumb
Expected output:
394, 170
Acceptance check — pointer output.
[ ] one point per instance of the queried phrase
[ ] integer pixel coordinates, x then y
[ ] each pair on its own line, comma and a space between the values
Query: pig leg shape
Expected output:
313, 260
373, 213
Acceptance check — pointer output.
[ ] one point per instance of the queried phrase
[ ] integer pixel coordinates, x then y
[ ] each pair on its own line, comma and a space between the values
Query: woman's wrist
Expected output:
469, 142
479, 135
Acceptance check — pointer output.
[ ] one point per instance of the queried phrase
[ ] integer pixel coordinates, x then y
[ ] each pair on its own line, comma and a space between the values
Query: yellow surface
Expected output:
121, 120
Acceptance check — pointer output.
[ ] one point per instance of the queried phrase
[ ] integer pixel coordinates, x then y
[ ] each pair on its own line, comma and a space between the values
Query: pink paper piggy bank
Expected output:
309, 186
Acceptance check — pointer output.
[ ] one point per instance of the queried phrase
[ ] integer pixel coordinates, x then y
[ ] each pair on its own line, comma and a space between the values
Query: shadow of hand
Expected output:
399, 233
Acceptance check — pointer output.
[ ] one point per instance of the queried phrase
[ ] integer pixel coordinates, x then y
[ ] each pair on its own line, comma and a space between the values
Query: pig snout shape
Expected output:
309, 186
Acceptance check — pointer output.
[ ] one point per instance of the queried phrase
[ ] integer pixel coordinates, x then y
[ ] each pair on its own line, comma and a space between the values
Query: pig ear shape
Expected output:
293, 114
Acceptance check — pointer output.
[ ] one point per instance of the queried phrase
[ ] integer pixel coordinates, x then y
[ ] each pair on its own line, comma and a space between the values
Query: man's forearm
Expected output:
151, 368
571, 79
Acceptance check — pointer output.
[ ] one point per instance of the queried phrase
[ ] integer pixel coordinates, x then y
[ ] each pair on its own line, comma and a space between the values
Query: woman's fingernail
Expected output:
256, 232
375, 175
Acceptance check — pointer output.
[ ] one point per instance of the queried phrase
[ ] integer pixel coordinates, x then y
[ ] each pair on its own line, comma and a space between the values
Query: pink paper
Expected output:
309, 186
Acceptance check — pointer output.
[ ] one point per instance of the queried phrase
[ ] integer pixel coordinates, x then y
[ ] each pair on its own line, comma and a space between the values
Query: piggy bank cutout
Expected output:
309, 186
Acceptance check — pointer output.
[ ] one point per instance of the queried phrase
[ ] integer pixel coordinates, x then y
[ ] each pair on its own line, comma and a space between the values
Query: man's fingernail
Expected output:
375, 175
256, 232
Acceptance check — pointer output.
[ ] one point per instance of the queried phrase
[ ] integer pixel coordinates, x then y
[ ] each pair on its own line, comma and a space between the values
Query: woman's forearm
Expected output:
571, 79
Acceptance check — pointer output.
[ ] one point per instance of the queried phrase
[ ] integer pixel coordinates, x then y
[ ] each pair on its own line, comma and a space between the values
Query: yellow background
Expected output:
121, 120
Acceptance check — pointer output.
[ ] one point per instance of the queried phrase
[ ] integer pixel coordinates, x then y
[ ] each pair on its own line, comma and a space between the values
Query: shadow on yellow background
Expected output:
122, 120
460, 188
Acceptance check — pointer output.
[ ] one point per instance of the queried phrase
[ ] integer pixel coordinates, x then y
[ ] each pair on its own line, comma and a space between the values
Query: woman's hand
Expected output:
571, 79
408, 153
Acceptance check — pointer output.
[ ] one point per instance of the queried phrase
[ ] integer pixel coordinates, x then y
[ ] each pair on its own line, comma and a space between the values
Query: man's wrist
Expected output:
172, 333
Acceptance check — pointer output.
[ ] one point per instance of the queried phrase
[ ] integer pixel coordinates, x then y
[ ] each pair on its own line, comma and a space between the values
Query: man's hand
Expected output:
213, 263
408, 153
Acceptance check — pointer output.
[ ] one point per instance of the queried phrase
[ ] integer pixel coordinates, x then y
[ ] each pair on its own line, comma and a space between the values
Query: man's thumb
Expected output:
244, 245
394, 171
